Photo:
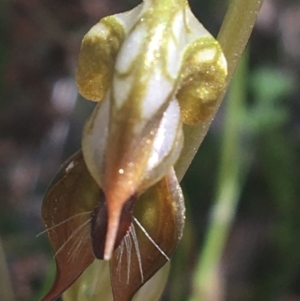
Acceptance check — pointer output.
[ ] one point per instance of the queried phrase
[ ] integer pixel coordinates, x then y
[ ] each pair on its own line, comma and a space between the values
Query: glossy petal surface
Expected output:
66, 211
154, 235
70, 212
95, 282
92, 285
203, 77
97, 56
149, 156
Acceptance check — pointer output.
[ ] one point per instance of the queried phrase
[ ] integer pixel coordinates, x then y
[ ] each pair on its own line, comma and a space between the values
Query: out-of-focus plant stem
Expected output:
207, 285
233, 37
6, 291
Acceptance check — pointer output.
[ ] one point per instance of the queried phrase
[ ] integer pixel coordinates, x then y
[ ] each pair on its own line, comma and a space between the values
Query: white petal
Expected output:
95, 137
166, 146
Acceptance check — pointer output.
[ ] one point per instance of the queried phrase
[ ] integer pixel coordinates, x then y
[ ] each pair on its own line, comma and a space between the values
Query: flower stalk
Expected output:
233, 37
233, 168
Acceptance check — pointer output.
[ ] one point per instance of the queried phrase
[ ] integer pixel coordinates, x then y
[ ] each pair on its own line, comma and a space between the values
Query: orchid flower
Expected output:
150, 70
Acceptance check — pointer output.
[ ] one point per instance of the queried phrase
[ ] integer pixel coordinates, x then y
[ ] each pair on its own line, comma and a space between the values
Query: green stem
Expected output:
233, 37
232, 171
5, 284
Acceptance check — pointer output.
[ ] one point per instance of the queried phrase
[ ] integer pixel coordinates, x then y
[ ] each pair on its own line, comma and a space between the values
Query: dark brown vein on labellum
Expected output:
77, 238
99, 226
157, 228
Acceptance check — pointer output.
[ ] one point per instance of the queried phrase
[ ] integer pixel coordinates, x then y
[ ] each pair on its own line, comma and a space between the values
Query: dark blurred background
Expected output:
41, 119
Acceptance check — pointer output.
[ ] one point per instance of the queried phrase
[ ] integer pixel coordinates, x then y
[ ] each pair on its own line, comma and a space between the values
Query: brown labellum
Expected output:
75, 214
99, 226
66, 211
152, 239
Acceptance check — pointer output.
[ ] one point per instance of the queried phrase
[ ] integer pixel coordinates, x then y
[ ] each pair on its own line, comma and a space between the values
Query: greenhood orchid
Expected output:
150, 70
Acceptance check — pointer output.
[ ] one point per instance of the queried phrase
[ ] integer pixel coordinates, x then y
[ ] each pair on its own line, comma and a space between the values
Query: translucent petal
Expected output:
97, 57
203, 74
98, 52
166, 147
125, 165
95, 283
92, 285
66, 213
154, 287
154, 235
94, 139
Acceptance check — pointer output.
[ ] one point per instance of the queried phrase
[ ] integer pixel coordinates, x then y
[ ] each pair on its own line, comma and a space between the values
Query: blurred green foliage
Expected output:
265, 232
